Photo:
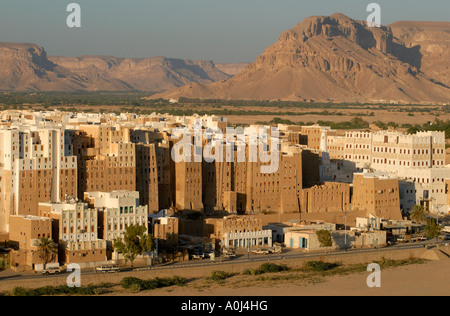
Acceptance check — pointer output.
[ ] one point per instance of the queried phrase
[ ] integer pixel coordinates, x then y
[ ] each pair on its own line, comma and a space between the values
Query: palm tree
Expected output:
418, 213
47, 249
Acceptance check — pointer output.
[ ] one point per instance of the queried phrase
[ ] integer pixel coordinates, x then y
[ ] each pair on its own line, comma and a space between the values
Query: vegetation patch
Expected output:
320, 266
219, 276
266, 268
137, 285
62, 290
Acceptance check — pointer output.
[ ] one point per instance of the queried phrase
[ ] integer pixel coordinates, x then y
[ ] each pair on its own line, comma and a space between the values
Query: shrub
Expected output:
128, 282
219, 275
320, 266
60, 290
266, 268
19, 291
136, 285
272, 267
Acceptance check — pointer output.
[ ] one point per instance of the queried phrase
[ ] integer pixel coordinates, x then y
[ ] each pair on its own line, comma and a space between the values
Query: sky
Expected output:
224, 31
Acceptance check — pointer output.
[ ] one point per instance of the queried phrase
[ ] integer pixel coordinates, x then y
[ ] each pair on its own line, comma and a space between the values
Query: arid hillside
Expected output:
335, 58
26, 67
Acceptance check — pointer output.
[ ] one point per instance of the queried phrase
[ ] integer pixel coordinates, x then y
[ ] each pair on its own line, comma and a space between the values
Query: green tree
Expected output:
324, 237
135, 242
433, 229
418, 213
46, 249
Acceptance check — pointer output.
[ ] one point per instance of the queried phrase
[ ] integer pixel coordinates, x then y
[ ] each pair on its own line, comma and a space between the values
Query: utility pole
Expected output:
437, 222
248, 240
345, 226
345, 231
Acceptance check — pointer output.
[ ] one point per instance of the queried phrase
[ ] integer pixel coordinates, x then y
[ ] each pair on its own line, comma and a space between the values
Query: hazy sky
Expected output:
223, 31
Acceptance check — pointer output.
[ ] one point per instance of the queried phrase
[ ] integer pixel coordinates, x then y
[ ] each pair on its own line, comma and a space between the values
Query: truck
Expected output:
276, 249
260, 251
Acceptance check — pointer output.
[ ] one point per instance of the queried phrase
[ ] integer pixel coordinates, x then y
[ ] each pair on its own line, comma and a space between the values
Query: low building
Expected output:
240, 232
371, 222
279, 230
261, 238
165, 229
309, 241
26, 230
87, 253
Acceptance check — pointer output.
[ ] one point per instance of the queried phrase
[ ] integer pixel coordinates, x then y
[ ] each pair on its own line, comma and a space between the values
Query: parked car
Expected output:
52, 270
260, 251
401, 239
445, 237
108, 269
422, 238
198, 255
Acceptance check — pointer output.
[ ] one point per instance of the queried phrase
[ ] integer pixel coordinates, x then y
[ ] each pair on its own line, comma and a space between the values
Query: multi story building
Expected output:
378, 194
312, 135
72, 221
117, 211
106, 159
391, 151
75, 229
36, 165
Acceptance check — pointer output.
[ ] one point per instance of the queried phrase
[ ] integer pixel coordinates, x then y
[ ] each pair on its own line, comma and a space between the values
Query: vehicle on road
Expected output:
198, 255
52, 270
260, 251
445, 237
108, 269
422, 238
229, 253
275, 249
402, 239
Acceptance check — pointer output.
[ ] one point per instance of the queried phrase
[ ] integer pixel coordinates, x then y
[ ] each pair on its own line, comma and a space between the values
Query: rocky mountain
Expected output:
26, 67
335, 58
232, 69
431, 42
144, 74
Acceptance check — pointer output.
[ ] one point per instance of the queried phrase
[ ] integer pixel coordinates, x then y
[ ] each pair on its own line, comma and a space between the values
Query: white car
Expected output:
198, 255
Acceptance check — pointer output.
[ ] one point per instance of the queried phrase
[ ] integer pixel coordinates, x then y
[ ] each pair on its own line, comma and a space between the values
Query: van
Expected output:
108, 269
52, 270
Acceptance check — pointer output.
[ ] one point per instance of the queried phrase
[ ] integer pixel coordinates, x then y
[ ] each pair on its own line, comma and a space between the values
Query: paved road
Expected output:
241, 258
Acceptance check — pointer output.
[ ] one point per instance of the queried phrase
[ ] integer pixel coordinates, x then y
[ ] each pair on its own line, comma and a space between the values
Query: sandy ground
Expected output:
383, 116
428, 279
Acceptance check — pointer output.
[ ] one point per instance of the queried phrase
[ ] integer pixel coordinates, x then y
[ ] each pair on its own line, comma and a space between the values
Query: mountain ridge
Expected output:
333, 58
27, 67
